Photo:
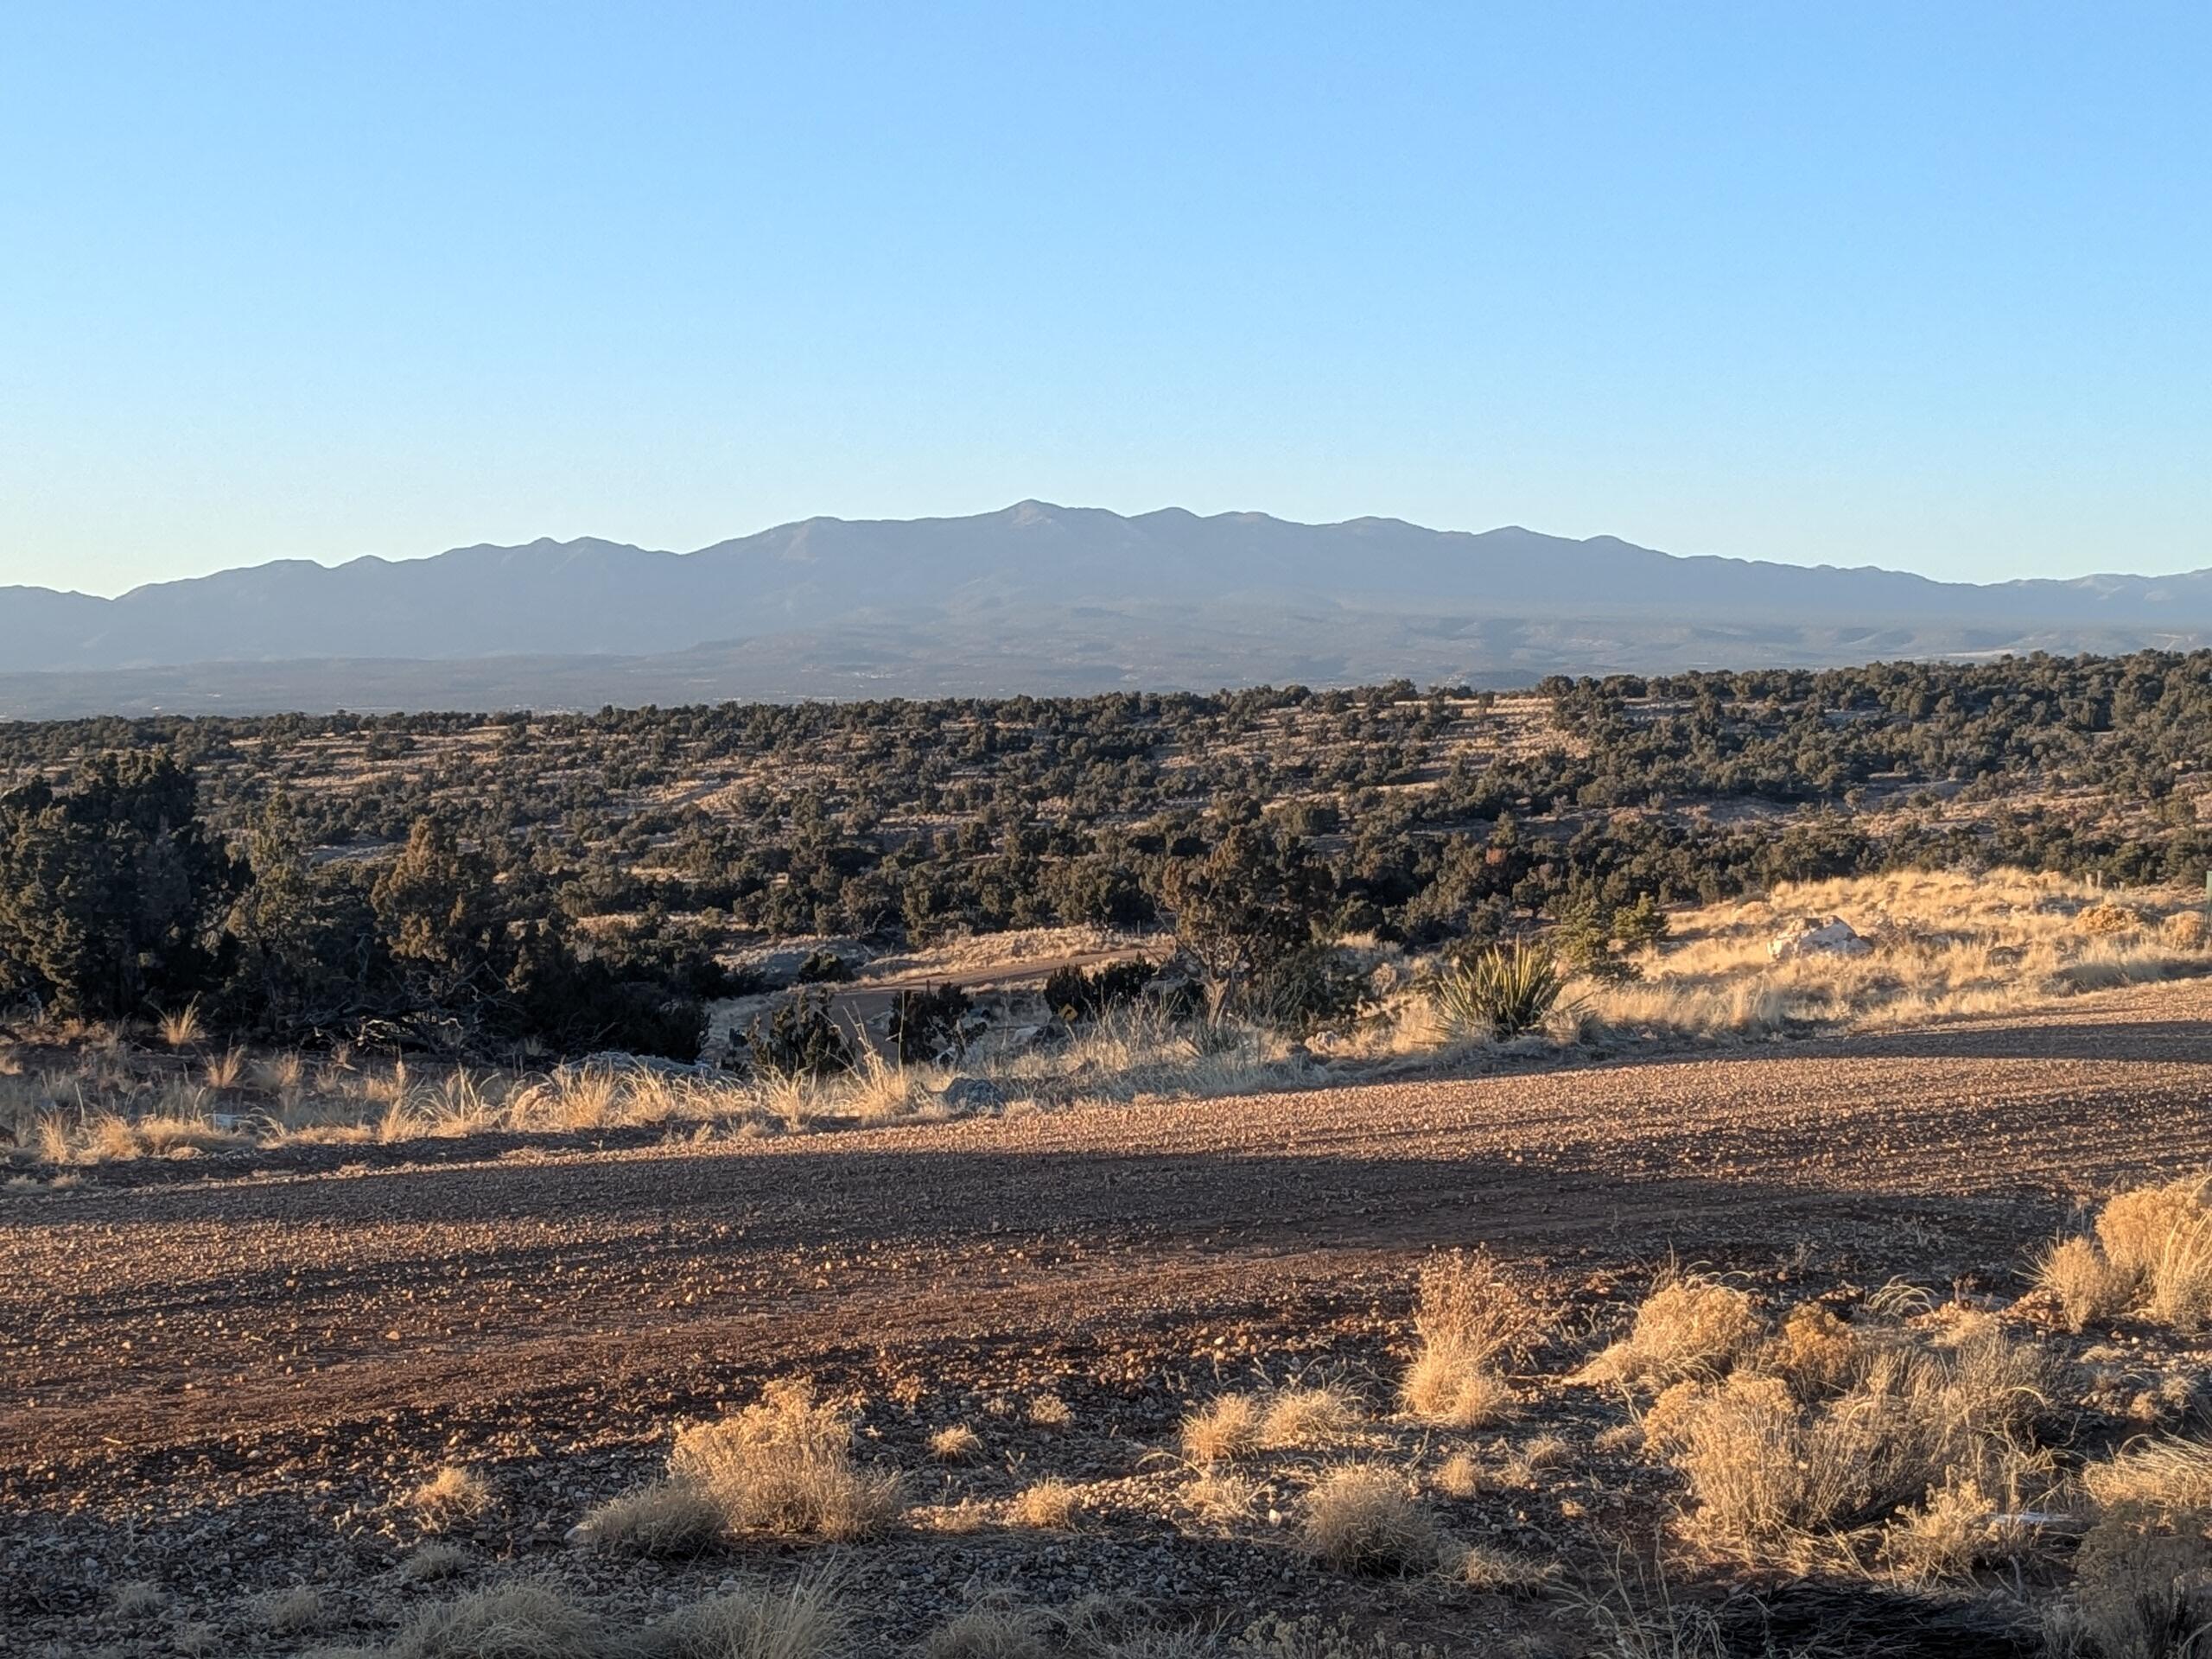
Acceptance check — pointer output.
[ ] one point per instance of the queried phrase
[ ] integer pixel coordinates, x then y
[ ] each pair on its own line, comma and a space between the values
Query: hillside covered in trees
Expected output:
579, 881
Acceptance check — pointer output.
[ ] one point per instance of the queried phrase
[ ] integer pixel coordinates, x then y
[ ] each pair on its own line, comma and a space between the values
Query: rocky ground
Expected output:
221, 1377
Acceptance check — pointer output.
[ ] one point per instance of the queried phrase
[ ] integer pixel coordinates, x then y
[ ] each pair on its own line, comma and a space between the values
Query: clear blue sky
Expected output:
1920, 285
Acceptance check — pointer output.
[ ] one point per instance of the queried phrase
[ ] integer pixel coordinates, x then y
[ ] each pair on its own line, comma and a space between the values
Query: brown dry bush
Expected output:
956, 1444
1298, 1417
2088, 1285
2163, 1235
783, 1466
805, 1622
1228, 1428
1470, 1315
1362, 1517
517, 1620
1772, 1471
1691, 1326
452, 1494
1049, 1505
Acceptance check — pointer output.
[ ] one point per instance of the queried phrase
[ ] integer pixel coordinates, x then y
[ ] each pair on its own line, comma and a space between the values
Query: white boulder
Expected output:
1833, 938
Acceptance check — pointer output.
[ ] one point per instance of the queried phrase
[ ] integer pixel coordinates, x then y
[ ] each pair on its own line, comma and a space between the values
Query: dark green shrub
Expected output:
801, 1039
927, 1023
823, 967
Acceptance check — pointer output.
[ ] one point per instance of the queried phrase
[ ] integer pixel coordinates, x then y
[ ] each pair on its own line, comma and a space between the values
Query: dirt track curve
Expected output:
145, 1329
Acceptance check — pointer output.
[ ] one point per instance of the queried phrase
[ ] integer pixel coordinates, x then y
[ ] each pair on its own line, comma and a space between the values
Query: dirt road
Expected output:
145, 1326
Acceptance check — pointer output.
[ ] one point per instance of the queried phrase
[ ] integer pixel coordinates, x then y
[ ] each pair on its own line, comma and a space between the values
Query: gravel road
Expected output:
585, 1290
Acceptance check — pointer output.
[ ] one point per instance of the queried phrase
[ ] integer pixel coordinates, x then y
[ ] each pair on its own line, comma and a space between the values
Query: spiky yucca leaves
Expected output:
1500, 991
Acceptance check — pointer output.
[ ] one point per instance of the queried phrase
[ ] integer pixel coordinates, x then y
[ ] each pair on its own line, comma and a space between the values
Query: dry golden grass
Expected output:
2152, 1255
452, 1495
180, 1027
2170, 1479
1469, 1315
1362, 1517
956, 1444
516, 1621
1050, 1411
807, 1621
2089, 1286
1049, 1505
1461, 1476
2163, 1235
781, 1466
1691, 1326
1503, 1572
989, 1633
1295, 1418
1438, 1388
668, 1518
785, 1466
1945, 944
1929, 1418
1227, 1428
1221, 1496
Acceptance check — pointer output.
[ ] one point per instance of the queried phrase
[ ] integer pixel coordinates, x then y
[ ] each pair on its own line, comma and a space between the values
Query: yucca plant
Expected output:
1503, 990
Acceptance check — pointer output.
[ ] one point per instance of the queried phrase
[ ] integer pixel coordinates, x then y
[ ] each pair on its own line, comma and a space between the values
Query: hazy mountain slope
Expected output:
1034, 597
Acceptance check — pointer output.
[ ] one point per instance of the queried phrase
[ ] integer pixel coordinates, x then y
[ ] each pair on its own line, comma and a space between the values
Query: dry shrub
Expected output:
2184, 930
2088, 1285
1220, 1495
1501, 1572
2163, 1236
1461, 1477
517, 1620
138, 1598
805, 1622
1229, 1427
1362, 1517
1690, 1326
2138, 1593
1307, 1416
1049, 1505
2107, 919
2170, 1479
432, 1560
1469, 1316
1545, 1451
452, 1494
785, 1465
1050, 1411
989, 1633
1769, 1470
668, 1517
1953, 1530
1815, 1352
1438, 1389
957, 1444
289, 1613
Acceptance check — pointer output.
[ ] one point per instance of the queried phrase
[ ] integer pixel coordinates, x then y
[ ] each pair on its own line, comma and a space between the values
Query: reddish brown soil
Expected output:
164, 1345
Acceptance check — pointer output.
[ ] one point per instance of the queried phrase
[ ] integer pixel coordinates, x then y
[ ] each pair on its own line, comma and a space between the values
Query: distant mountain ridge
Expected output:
1064, 595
